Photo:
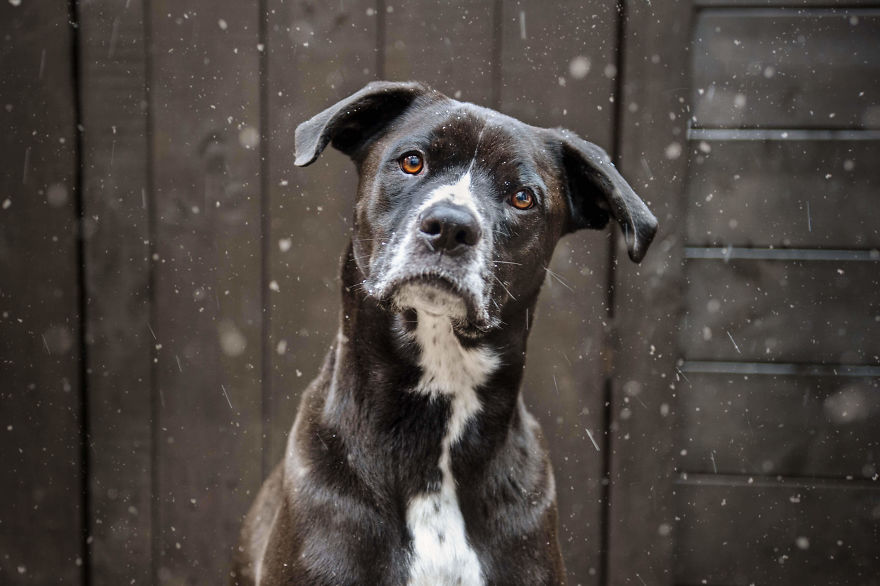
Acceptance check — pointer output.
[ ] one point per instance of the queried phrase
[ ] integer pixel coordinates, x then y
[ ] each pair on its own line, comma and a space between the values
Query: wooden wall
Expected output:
168, 279
780, 338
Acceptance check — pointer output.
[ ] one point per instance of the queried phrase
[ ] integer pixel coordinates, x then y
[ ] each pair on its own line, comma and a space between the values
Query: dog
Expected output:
412, 459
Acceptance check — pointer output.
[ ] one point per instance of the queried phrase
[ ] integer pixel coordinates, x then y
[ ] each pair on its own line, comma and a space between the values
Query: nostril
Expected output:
468, 235
431, 226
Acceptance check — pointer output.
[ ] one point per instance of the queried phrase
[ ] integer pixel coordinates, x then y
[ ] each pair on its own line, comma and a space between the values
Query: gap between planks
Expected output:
782, 134
727, 253
779, 369
784, 482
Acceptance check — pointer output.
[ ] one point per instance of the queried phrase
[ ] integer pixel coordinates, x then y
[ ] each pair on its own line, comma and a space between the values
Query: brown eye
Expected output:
522, 199
411, 163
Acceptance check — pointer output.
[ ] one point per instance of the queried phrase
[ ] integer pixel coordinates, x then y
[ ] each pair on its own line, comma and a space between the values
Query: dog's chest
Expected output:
442, 554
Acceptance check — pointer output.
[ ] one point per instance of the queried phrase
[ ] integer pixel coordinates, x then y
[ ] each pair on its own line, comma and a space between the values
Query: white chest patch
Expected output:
441, 553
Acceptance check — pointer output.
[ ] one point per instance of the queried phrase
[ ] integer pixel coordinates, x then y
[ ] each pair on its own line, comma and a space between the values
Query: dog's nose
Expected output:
449, 228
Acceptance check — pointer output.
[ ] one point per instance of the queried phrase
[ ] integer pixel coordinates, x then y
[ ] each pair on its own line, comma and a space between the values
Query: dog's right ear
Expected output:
349, 124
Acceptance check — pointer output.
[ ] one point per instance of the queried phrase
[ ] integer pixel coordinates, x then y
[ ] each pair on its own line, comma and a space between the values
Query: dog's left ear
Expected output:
350, 123
596, 190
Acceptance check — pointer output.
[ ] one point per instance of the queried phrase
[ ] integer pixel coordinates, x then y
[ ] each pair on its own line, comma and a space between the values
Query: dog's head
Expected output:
459, 207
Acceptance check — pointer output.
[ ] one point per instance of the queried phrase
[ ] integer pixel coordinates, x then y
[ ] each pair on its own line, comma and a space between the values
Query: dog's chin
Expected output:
430, 298
440, 297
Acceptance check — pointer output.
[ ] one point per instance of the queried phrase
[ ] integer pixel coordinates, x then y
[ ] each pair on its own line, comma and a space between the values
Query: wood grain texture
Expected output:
824, 426
115, 181
797, 194
777, 532
647, 297
563, 389
557, 69
204, 90
781, 68
448, 45
558, 65
41, 534
822, 312
319, 53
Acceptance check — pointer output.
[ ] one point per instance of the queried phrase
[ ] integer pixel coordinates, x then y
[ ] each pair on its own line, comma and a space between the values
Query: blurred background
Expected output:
168, 280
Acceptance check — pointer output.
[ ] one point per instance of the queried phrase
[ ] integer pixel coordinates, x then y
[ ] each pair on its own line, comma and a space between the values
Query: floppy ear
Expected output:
349, 124
596, 190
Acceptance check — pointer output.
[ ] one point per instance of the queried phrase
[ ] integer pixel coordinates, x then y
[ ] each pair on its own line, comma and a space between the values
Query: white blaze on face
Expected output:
458, 193
441, 552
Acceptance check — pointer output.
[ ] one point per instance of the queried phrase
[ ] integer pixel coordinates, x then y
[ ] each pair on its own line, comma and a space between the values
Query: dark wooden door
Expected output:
780, 338
773, 397
745, 447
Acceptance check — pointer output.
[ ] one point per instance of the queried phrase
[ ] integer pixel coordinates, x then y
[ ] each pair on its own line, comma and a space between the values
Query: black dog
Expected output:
413, 459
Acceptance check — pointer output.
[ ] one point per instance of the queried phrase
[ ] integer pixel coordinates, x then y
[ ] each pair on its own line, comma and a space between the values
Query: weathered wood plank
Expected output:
823, 426
204, 89
41, 533
784, 193
318, 54
782, 68
112, 93
558, 65
647, 299
767, 310
787, 533
563, 388
557, 69
448, 45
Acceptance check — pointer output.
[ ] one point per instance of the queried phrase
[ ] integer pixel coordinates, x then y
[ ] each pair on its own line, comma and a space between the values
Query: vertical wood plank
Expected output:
448, 45
318, 54
647, 297
204, 89
112, 93
558, 65
40, 517
558, 69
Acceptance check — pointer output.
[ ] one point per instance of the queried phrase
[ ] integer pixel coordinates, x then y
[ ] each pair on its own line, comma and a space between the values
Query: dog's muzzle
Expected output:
440, 266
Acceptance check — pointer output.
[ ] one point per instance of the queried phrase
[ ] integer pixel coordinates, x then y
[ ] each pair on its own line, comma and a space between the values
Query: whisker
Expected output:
507, 262
503, 287
558, 278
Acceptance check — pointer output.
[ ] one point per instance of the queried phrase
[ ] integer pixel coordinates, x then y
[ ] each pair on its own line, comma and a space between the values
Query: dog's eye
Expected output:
411, 163
522, 199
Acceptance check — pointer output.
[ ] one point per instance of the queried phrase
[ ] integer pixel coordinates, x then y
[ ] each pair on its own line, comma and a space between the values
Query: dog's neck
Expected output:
382, 353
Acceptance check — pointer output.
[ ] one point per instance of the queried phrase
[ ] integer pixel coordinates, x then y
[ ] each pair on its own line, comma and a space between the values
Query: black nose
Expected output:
449, 228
